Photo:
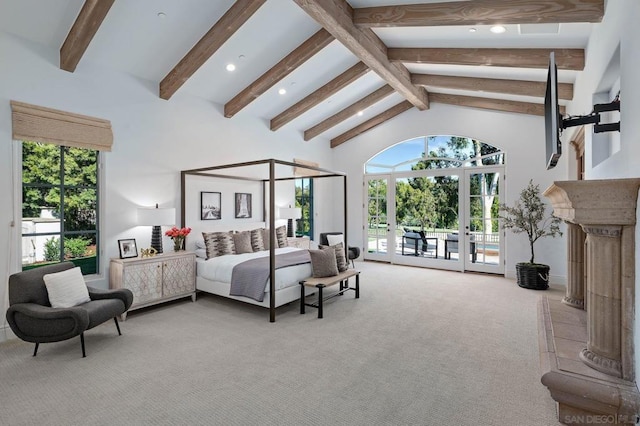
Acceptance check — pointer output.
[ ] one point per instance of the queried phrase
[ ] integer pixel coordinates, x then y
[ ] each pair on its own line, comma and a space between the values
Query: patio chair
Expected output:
451, 246
429, 244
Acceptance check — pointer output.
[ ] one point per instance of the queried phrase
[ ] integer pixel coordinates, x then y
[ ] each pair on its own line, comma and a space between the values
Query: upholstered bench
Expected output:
321, 283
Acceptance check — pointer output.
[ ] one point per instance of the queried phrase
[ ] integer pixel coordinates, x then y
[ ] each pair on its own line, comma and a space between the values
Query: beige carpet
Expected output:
420, 347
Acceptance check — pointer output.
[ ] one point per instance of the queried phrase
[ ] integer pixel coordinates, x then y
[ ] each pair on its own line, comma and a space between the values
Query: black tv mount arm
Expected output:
594, 118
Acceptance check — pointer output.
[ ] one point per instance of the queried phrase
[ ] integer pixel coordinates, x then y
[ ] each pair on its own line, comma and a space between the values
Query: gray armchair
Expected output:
352, 252
32, 318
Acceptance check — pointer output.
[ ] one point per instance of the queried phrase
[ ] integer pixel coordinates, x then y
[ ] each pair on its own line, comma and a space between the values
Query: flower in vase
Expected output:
178, 236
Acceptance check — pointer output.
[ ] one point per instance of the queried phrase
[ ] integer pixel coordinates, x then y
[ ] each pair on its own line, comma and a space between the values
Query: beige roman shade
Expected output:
40, 124
301, 171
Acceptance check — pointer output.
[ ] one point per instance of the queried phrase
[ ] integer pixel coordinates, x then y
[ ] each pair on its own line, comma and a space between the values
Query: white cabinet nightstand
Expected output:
155, 279
299, 242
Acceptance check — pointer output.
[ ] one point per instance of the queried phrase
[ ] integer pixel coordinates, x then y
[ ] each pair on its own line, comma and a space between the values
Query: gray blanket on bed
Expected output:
250, 277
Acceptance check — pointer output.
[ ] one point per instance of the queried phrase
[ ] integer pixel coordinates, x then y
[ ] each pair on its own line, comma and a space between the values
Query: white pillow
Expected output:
201, 253
335, 239
66, 288
200, 244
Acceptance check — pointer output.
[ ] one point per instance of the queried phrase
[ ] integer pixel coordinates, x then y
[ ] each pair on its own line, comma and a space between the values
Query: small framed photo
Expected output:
128, 248
243, 205
210, 206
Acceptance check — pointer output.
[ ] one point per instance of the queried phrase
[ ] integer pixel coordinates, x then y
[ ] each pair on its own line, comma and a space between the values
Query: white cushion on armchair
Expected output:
66, 288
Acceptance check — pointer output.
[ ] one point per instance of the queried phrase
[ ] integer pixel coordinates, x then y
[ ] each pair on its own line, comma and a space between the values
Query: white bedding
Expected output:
220, 268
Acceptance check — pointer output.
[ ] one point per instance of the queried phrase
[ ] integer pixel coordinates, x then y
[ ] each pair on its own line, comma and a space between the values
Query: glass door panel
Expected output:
378, 236
427, 211
483, 228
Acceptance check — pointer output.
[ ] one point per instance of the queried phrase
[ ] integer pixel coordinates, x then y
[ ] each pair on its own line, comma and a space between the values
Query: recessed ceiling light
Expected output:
472, 30
282, 91
162, 15
498, 29
231, 67
241, 57
360, 113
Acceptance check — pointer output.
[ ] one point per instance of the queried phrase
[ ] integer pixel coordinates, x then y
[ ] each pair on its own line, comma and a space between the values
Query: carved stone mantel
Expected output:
606, 212
595, 202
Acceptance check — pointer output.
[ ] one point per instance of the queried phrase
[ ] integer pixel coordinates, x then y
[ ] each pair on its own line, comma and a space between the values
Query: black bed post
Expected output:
344, 194
183, 176
264, 201
272, 242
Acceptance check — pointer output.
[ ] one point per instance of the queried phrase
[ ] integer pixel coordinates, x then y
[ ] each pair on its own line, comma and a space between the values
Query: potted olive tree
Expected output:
528, 215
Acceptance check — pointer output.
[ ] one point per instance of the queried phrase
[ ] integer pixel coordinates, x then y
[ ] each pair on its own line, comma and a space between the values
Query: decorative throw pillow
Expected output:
242, 242
341, 258
218, 243
266, 237
257, 239
323, 262
66, 288
281, 235
200, 244
335, 239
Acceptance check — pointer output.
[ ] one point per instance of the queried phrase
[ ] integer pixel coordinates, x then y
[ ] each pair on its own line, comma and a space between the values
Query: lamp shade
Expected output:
151, 216
290, 212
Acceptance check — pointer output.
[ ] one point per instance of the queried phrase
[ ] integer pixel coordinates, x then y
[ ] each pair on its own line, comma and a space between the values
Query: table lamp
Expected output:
290, 213
156, 217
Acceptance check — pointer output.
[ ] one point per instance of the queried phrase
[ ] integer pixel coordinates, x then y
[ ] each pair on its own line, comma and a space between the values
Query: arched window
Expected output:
434, 152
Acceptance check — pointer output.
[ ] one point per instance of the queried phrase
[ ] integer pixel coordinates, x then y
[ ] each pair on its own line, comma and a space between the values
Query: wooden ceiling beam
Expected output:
480, 12
82, 31
349, 111
566, 59
491, 104
371, 123
329, 89
512, 87
209, 44
336, 17
293, 60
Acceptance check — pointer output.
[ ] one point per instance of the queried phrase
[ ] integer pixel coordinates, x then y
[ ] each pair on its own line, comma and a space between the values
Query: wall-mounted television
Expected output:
552, 117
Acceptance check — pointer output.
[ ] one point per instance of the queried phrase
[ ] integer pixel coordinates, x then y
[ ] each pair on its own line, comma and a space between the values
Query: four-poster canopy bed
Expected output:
276, 171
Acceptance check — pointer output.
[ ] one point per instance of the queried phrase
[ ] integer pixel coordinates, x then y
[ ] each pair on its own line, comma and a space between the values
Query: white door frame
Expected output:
480, 264
384, 247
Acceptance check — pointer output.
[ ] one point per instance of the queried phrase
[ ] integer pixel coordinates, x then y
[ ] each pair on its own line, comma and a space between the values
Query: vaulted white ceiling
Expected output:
148, 38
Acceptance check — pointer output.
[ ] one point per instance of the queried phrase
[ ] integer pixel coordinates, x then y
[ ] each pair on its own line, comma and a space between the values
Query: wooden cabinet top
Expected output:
157, 258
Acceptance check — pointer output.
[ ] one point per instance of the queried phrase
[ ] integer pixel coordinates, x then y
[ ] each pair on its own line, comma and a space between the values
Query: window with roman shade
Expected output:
60, 185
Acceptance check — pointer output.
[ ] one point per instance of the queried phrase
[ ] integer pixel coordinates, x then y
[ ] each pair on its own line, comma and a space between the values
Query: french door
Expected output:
379, 241
483, 232
464, 204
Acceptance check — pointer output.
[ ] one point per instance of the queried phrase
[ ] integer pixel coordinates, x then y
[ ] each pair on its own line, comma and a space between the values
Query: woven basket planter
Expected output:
532, 275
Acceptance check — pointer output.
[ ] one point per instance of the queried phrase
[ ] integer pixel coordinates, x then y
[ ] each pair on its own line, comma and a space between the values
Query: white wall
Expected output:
153, 140
618, 30
521, 136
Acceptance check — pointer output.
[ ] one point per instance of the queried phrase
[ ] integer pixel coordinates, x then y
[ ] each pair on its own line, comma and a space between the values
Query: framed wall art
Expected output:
243, 205
127, 248
210, 206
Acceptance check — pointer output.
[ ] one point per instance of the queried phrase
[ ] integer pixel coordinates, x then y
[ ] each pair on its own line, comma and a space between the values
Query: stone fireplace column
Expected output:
604, 350
606, 211
576, 275
587, 356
